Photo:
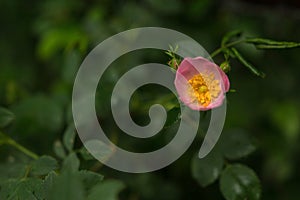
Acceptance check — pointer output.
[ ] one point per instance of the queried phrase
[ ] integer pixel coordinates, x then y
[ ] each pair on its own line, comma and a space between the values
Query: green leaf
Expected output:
230, 35
36, 115
85, 154
261, 43
43, 165
246, 63
71, 163
90, 178
35, 185
236, 144
59, 149
67, 186
69, 137
107, 190
238, 182
13, 169
48, 182
6, 117
207, 169
29, 189
55, 40
7, 188
71, 65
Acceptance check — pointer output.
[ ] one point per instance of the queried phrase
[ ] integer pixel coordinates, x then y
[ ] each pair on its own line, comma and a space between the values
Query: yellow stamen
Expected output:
204, 88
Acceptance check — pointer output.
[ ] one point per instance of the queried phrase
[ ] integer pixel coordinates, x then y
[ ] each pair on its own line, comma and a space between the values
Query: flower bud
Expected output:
225, 66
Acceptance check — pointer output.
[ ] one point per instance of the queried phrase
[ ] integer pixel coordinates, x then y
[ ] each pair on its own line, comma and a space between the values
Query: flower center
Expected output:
204, 88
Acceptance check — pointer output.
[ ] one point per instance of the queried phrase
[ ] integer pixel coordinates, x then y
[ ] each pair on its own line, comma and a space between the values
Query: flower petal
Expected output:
190, 67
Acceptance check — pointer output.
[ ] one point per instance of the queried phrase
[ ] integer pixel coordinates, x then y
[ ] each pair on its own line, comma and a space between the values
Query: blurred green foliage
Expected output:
42, 46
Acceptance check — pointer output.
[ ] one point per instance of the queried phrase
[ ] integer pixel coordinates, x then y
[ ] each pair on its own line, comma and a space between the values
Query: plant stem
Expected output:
26, 172
219, 50
18, 146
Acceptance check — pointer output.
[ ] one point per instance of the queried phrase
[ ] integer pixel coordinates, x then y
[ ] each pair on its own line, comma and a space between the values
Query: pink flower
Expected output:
201, 84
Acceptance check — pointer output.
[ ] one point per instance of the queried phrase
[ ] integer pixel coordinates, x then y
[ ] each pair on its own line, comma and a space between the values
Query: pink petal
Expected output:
193, 66
225, 79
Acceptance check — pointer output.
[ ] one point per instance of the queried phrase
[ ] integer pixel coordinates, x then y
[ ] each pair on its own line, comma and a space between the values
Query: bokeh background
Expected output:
42, 44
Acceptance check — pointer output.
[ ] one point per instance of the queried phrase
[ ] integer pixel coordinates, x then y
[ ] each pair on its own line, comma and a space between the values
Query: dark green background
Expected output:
42, 44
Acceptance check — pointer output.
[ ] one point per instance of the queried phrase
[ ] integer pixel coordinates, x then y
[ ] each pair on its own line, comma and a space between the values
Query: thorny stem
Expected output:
219, 50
